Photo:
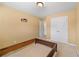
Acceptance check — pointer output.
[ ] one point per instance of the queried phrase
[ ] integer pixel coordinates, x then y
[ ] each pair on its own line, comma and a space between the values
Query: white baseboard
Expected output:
71, 44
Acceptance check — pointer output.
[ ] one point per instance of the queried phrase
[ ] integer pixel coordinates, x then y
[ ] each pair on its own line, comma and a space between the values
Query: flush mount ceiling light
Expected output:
40, 4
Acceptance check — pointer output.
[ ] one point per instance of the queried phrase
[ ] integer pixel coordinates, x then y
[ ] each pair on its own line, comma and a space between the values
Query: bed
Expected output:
31, 48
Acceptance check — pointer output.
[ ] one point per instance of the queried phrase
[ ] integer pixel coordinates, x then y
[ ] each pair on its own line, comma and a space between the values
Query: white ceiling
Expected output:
49, 7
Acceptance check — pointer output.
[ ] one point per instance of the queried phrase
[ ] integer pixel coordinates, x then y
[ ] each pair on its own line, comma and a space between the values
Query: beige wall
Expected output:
77, 12
12, 29
71, 24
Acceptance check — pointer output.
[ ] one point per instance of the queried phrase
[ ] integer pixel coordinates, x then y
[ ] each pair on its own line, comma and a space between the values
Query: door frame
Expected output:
67, 29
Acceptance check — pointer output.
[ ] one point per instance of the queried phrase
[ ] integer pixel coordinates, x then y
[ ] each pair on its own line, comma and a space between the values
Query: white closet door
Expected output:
59, 29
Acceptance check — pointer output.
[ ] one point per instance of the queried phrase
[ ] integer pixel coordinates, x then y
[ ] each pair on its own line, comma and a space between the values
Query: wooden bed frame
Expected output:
36, 40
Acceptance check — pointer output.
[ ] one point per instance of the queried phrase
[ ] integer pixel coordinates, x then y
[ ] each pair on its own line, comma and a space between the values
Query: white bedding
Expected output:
31, 50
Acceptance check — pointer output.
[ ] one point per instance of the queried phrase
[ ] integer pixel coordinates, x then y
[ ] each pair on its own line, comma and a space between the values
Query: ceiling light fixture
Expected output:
40, 4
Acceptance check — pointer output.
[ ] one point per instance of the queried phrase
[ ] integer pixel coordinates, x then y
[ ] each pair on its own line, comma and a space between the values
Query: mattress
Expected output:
32, 50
